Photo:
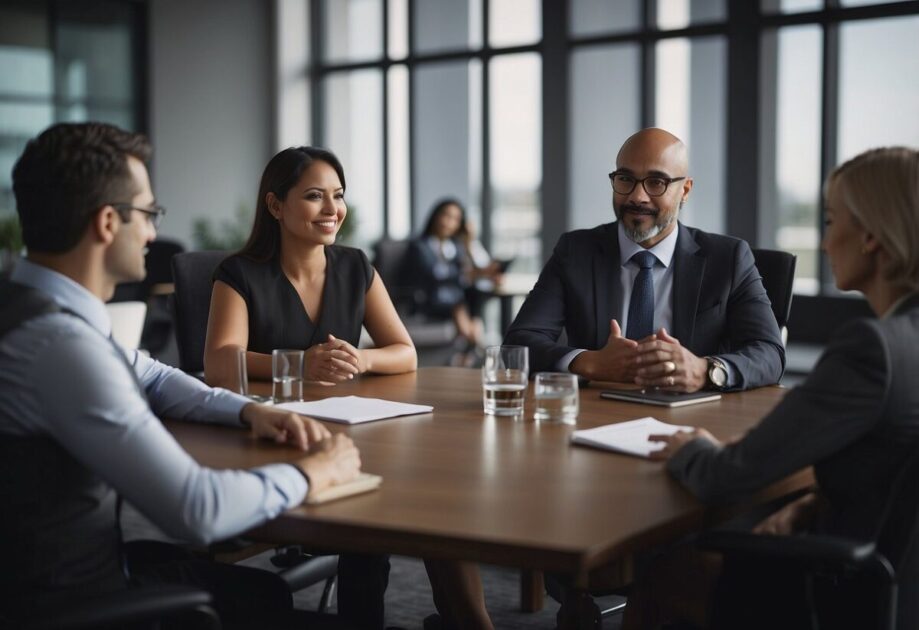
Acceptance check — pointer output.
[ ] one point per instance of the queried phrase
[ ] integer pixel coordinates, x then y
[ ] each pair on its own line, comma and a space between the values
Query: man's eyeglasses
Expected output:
655, 185
154, 214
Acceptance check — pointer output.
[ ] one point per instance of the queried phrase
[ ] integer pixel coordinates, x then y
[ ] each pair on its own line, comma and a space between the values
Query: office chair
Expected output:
840, 575
434, 335
192, 272
778, 271
143, 607
192, 301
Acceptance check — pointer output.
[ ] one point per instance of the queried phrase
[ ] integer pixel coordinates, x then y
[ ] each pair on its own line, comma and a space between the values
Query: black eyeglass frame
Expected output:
154, 214
636, 181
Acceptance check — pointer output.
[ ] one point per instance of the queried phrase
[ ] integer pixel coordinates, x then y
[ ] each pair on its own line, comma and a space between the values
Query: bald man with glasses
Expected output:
647, 300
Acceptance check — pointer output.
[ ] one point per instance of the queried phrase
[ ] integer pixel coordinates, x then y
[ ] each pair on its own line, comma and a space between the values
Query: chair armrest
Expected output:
131, 606
311, 570
807, 550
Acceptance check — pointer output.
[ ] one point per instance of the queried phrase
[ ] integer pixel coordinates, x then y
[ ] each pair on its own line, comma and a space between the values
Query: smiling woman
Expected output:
291, 287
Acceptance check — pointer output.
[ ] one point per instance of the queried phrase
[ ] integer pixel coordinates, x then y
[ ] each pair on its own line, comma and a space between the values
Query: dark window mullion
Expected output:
829, 130
385, 114
486, 130
648, 64
317, 88
414, 218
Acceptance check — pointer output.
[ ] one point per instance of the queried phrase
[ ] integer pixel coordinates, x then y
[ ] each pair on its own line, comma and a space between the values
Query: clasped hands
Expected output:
658, 360
333, 361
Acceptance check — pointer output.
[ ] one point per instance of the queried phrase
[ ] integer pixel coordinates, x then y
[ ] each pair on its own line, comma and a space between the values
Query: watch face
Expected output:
717, 375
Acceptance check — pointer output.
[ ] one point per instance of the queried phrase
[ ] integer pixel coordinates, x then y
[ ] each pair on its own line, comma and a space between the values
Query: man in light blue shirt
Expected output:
72, 400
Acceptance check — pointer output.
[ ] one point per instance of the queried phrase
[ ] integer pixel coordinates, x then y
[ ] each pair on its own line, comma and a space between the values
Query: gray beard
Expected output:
640, 236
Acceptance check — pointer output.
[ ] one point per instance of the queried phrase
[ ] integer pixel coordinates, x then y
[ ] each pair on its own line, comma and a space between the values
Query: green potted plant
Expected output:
10, 241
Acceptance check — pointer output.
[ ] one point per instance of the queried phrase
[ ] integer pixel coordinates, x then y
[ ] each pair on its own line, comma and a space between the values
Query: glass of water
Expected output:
504, 379
556, 395
287, 375
242, 375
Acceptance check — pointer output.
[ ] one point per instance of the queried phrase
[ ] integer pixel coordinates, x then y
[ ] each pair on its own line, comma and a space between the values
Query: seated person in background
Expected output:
291, 287
447, 263
78, 413
692, 304
855, 418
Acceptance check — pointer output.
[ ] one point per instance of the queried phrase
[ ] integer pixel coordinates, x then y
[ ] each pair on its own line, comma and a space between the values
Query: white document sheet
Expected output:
354, 409
629, 437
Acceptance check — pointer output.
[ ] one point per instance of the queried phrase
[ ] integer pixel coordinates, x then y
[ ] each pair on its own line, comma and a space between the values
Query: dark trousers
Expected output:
362, 582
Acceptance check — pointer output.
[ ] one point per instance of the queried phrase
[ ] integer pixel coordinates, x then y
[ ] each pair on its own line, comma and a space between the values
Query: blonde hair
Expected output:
880, 187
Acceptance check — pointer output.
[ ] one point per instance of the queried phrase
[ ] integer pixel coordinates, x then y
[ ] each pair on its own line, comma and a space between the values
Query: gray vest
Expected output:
59, 534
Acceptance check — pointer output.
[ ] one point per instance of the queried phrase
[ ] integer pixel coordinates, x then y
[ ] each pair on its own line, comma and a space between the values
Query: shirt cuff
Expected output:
564, 364
732, 373
227, 406
288, 480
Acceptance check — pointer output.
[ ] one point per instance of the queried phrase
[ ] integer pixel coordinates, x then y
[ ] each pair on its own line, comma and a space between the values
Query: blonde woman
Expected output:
856, 417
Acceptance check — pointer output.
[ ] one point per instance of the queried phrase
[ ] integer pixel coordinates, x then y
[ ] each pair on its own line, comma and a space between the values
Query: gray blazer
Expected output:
855, 419
719, 304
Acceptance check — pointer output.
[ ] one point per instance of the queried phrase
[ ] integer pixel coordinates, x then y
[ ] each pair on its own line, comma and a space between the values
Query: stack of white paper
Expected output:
354, 409
627, 437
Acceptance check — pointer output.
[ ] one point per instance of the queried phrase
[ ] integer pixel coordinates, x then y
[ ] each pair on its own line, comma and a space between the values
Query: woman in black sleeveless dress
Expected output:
291, 287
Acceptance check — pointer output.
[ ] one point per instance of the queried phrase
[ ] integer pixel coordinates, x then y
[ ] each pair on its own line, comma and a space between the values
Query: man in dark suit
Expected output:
692, 304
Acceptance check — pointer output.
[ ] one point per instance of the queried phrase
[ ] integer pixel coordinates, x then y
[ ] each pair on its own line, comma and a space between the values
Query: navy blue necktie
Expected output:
641, 306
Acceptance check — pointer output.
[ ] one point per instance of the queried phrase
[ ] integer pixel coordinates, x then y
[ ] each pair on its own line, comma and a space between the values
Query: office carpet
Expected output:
408, 598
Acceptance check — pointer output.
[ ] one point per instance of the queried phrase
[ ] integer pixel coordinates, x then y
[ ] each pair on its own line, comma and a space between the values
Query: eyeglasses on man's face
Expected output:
154, 214
655, 185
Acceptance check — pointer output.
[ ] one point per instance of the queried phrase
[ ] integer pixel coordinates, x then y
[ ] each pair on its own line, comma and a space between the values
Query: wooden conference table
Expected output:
459, 484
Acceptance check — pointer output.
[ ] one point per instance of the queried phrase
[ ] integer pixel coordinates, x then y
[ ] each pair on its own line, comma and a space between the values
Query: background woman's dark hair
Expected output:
281, 174
66, 174
439, 207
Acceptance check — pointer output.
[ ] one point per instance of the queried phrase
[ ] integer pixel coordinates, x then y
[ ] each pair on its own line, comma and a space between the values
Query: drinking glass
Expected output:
242, 380
287, 375
556, 395
504, 379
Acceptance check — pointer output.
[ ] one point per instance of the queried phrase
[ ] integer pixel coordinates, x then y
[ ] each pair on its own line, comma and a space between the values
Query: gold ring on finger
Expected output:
670, 380
671, 366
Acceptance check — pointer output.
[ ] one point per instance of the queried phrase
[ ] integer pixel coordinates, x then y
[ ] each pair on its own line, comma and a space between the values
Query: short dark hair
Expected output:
439, 207
281, 174
66, 174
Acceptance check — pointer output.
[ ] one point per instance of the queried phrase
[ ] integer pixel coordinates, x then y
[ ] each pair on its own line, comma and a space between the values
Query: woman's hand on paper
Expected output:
673, 443
284, 427
330, 462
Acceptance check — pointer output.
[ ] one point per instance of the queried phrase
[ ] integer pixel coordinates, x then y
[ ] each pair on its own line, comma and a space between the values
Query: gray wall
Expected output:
211, 107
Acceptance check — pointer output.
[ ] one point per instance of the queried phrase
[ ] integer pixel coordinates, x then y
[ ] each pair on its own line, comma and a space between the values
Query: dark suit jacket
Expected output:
719, 303
855, 419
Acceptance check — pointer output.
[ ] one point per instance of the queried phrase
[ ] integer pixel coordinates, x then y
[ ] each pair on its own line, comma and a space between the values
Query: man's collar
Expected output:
68, 294
663, 251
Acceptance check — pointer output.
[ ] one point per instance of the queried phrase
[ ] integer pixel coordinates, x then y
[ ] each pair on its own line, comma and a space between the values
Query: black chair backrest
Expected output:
389, 259
192, 300
778, 271
897, 539
159, 260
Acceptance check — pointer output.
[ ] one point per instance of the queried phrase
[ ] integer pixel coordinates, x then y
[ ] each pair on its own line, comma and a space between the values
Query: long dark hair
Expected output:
436, 211
280, 175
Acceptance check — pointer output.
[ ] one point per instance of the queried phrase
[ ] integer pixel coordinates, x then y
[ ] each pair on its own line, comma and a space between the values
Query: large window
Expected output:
71, 60
517, 108
836, 81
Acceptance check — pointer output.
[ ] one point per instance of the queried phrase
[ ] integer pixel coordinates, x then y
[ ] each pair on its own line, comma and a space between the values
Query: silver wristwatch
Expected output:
717, 373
